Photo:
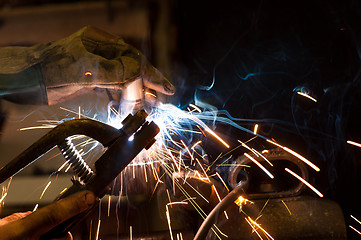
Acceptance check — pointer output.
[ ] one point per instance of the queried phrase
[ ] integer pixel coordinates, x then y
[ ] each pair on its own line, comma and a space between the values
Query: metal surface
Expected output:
293, 218
261, 186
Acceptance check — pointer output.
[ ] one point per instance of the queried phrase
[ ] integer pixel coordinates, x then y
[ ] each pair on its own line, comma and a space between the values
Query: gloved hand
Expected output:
69, 67
32, 225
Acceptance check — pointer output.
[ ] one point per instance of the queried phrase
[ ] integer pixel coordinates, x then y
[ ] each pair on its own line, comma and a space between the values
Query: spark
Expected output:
309, 163
254, 229
259, 165
67, 169
76, 113
3, 197
307, 96
4, 191
286, 207
305, 182
168, 220
255, 130
255, 152
88, 73
90, 228
195, 107
62, 166
356, 219
201, 131
259, 226
217, 137
98, 228
197, 143
224, 184
150, 94
108, 205
219, 198
190, 154
240, 201
63, 190
263, 208
177, 203
36, 207
44, 126
355, 229
354, 143
131, 232
46, 187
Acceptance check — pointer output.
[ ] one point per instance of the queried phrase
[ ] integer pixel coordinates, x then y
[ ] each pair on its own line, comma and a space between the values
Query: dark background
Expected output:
258, 54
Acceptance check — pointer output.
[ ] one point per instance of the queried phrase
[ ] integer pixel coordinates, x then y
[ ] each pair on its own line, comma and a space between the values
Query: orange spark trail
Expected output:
97, 236
305, 182
254, 229
255, 130
219, 198
254, 223
307, 96
355, 229
150, 94
224, 184
46, 187
195, 107
3, 197
185, 146
296, 155
354, 143
217, 137
259, 165
36, 207
356, 219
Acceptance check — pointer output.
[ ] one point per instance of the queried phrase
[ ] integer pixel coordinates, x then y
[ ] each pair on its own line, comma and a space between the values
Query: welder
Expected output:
55, 72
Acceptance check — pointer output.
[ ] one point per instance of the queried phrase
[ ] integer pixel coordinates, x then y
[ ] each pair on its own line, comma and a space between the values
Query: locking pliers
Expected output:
120, 151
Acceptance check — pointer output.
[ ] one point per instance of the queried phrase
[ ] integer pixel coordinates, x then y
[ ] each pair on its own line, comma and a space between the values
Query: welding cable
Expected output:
219, 208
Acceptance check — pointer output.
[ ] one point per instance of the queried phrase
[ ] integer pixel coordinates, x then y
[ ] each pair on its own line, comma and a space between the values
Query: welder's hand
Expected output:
32, 225
92, 58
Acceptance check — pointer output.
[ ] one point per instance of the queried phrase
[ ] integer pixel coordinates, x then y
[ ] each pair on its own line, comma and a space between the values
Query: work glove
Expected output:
32, 225
67, 68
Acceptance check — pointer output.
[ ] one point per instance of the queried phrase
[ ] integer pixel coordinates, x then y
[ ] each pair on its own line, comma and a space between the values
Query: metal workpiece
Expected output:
261, 185
301, 217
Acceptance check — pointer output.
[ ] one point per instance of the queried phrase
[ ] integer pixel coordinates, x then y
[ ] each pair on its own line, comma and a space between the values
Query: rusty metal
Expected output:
301, 217
120, 152
261, 186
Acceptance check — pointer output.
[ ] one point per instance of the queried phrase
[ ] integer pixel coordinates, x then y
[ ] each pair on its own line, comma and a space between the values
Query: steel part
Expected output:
261, 186
75, 160
293, 218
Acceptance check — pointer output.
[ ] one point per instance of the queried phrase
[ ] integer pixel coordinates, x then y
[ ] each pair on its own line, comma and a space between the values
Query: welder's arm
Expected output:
32, 225
63, 69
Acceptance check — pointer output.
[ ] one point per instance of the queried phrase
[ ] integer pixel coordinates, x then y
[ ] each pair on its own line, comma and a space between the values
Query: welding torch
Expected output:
120, 151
